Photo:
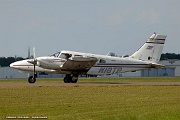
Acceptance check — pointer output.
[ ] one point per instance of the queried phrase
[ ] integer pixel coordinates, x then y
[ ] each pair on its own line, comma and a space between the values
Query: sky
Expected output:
92, 26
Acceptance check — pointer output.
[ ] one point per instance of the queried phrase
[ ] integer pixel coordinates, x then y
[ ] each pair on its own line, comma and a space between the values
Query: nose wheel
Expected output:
32, 79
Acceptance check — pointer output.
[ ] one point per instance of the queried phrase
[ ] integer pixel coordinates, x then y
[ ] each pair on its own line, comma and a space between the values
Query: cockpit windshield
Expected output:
56, 54
65, 56
62, 55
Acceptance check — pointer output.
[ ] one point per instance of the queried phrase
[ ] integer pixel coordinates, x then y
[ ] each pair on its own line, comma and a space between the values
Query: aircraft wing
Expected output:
79, 63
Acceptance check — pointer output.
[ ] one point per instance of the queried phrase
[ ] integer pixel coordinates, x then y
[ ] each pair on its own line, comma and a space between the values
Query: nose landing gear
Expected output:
32, 79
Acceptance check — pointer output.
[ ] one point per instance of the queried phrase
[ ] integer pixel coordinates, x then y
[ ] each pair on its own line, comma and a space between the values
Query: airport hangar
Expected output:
172, 69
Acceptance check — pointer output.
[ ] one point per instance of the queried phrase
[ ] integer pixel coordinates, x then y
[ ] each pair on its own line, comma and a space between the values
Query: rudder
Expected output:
152, 49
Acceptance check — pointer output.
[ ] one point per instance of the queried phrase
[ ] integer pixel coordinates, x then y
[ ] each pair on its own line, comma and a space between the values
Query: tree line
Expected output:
170, 56
6, 61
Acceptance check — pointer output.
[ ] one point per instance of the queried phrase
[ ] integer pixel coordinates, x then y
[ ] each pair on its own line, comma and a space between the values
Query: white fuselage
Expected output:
105, 65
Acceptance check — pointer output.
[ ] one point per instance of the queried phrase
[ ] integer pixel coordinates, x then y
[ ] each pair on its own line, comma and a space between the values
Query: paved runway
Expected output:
9, 84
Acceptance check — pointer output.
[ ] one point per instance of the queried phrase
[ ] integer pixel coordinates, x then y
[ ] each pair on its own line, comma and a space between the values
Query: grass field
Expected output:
92, 102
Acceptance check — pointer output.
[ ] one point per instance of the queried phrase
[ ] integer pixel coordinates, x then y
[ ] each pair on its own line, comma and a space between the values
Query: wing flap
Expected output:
79, 63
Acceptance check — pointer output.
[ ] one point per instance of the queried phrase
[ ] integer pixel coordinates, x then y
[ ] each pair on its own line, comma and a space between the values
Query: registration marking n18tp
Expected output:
110, 70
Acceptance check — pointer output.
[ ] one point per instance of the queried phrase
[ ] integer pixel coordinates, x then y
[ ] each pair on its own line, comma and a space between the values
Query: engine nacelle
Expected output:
49, 63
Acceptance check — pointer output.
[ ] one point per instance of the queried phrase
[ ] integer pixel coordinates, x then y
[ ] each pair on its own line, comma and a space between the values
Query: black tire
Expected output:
71, 78
31, 79
74, 79
67, 79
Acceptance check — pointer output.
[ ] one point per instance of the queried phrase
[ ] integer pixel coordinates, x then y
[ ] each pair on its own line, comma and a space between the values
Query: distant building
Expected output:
7, 72
172, 63
157, 72
172, 68
45, 75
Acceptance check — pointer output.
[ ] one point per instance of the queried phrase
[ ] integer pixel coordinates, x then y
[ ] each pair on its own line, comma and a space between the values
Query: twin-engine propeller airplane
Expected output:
74, 64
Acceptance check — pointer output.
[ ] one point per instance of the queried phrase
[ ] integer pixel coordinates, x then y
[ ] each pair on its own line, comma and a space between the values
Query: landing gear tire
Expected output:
74, 79
67, 79
71, 79
32, 79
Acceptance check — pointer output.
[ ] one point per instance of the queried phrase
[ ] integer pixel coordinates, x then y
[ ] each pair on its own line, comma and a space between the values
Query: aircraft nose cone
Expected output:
15, 64
20, 65
12, 65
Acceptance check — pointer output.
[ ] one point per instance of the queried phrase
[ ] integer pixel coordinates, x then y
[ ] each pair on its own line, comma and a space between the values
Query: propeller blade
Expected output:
34, 51
35, 62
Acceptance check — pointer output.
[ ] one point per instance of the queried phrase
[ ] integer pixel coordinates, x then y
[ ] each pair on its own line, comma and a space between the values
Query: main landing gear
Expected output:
70, 78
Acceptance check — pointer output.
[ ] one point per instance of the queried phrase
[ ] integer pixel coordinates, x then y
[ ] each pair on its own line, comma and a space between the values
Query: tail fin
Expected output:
152, 49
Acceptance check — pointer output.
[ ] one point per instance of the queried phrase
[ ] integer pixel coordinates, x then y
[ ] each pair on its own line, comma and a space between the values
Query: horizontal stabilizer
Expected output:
155, 65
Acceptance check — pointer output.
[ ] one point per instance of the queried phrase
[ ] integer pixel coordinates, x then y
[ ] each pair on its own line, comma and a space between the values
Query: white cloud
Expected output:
116, 19
173, 10
148, 16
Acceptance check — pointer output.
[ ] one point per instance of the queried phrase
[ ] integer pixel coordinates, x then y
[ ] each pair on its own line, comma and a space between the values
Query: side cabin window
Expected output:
102, 61
65, 56
78, 56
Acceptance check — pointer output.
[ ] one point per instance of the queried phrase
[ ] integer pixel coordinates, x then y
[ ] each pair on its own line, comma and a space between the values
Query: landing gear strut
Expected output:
70, 78
32, 79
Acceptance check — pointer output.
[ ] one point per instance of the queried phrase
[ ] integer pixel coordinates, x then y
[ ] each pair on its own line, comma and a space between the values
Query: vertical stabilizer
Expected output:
152, 49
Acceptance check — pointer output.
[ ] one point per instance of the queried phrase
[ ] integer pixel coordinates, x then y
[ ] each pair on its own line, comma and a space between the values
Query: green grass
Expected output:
135, 79
131, 79
92, 102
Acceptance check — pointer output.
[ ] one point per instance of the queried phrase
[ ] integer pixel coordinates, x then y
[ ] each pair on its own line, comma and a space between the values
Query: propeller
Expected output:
34, 51
35, 62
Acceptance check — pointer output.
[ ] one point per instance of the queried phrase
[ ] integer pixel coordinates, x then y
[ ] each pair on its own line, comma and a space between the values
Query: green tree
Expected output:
4, 62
